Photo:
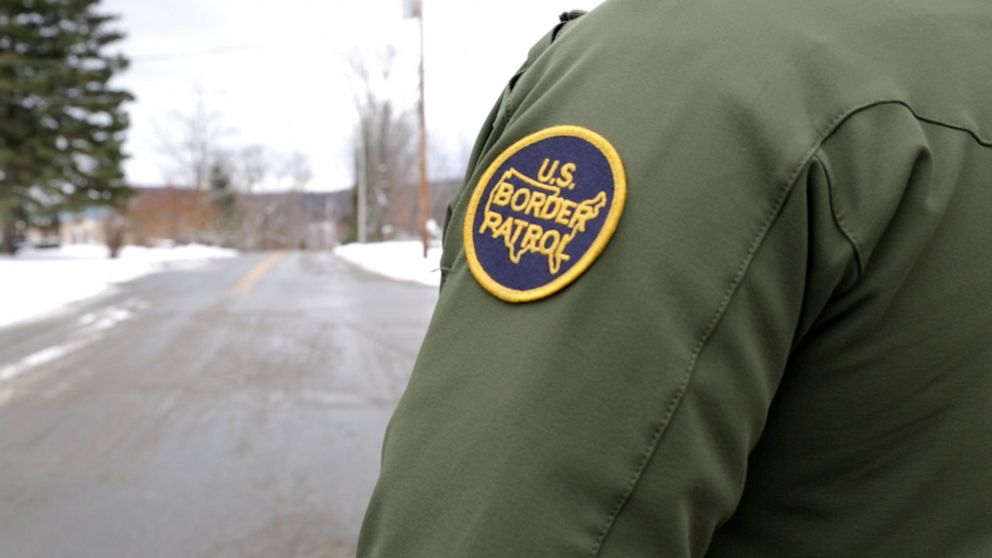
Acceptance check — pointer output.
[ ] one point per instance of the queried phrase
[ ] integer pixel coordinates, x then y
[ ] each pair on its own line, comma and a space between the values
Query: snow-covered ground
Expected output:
35, 282
38, 281
399, 260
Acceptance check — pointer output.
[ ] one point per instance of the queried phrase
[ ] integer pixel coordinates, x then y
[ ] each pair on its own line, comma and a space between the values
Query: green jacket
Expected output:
785, 347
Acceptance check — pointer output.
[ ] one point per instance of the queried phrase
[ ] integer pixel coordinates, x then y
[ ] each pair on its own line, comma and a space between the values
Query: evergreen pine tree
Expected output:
224, 201
62, 124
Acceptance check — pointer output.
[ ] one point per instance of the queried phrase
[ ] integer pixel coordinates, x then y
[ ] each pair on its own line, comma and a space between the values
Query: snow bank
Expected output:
398, 260
38, 281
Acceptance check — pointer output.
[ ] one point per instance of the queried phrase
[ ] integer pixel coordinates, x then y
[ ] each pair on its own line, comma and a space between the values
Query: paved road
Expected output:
230, 411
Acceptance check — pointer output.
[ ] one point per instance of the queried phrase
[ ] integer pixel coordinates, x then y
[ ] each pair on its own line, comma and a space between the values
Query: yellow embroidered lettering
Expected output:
504, 231
537, 200
531, 239
491, 220
551, 208
565, 214
547, 175
562, 210
567, 175
542, 200
501, 195
520, 226
522, 237
519, 200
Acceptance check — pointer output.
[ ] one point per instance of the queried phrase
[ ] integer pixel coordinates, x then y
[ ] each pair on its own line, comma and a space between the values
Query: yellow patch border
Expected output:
594, 251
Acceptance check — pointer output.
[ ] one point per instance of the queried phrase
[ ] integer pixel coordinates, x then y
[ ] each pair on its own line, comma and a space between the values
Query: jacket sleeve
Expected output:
615, 418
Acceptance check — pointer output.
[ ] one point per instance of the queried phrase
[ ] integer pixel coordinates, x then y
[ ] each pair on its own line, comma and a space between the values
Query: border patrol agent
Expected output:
719, 283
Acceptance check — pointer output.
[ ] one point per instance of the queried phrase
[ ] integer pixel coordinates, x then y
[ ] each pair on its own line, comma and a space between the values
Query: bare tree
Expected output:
198, 162
297, 169
193, 145
115, 229
251, 167
385, 147
279, 220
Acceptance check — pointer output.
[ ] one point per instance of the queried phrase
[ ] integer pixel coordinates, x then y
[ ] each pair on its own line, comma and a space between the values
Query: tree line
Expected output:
63, 127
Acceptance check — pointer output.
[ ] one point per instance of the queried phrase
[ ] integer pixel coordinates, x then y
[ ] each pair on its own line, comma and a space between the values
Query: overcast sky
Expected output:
277, 71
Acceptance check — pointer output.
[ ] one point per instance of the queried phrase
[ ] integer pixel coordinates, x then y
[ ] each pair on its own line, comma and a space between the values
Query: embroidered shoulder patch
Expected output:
543, 212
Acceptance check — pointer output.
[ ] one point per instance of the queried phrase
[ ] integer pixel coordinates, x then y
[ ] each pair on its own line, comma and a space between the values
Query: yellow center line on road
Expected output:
247, 283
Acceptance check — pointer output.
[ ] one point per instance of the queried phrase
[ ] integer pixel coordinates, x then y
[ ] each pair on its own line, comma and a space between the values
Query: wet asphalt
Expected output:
234, 410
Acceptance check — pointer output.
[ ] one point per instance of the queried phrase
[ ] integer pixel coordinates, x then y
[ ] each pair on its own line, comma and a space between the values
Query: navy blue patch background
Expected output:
593, 175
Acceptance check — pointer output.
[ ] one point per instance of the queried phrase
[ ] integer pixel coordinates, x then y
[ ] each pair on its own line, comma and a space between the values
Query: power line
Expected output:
167, 56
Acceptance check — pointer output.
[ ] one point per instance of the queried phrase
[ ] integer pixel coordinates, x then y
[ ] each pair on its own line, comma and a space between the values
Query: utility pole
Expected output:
363, 187
425, 193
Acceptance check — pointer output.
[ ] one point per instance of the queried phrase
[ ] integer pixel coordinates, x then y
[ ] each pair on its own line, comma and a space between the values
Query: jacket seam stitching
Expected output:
838, 218
835, 204
662, 426
982, 140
